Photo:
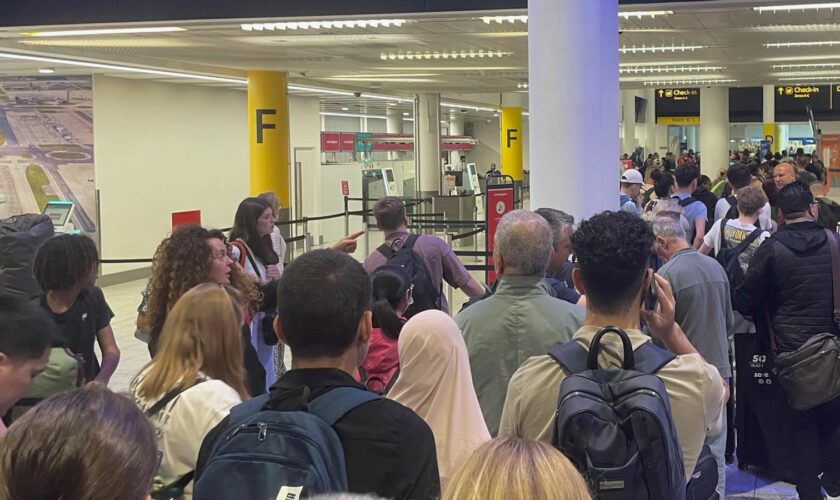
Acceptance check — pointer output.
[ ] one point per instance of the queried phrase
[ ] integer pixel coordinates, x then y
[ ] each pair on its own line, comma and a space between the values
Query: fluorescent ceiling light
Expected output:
808, 78
127, 69
379, 79
806, 66
667, 69
353, 115
467, 106
689, 82
387, 97
447, 54
46, 71
317, 90
317, 25
645, 13
522, 85
804, 6
781, 45
105, 31
633, 49
504, 19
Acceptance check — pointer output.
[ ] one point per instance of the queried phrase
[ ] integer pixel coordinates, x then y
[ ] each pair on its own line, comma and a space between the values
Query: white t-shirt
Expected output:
259, 272
764, 219
182, 425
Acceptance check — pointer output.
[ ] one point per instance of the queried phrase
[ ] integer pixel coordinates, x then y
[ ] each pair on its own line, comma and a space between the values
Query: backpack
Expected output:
280, 454
20, 237
63, 372
426, 295
622, 200
829, 213
728, 257
615, 425
732, 213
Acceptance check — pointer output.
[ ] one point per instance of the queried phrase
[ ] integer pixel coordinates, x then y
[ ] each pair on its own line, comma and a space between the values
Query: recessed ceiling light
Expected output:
317, 25
318, 90
127, 69
666, 69
804, 6
806, 66
446, 54
809, 77
345, 109
522, 85
354, 115
105, 31
633, 49
689, 82
406, 113
645, 13
504, 19
467, 106
781, 45
46, 71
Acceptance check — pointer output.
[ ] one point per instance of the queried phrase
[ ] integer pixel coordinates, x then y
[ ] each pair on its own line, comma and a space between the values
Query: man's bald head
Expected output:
783, 174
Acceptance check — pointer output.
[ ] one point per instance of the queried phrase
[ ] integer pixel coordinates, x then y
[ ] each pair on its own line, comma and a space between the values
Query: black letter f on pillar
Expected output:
261, 125
510, 136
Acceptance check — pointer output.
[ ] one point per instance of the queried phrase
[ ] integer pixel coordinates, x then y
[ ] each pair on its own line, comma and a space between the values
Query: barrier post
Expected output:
307, 242
365, 219
499, 200
346, 215
448, 286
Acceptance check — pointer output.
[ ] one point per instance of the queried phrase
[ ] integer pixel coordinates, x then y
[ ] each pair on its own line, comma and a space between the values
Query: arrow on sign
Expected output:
661, 92
781, 90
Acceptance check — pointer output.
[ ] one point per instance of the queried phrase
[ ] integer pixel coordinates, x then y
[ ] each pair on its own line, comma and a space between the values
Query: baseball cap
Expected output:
632, 176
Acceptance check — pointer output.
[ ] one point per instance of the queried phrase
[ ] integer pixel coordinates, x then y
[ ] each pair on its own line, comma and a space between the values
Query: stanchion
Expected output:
307, 242
346, 215
448, 286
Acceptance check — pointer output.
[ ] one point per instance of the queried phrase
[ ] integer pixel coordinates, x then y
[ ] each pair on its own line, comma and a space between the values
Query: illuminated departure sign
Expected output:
678, 106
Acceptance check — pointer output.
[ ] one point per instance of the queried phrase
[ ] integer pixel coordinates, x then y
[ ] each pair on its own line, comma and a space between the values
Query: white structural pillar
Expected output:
574, 101
628, 122
456, 127
427, 144
714, 130
394, 125
650, 124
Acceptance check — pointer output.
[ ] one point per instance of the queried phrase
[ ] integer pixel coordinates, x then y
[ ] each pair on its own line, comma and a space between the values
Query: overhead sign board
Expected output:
746, 104
678, 106
791, 101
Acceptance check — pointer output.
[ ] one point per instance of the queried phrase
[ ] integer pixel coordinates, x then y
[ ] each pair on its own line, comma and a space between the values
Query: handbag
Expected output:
810, 375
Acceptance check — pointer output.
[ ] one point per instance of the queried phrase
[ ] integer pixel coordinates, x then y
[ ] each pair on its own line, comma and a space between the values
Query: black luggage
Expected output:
20, 237
764, 420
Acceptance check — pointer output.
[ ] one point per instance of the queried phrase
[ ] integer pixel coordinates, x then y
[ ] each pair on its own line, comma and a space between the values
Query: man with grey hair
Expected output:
704, 309
561, 229
521, 319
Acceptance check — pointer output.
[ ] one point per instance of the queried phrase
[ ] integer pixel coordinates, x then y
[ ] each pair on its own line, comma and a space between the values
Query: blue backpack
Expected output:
425, 294
615, 425
268, 454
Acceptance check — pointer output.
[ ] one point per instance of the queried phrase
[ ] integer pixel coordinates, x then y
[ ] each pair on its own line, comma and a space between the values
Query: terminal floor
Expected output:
125, 297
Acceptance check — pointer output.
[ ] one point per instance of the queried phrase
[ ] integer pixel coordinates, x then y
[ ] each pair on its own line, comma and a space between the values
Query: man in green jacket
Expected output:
521, 319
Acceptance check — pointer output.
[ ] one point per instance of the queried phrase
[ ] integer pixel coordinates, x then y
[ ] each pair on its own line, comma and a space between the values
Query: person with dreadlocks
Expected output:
65, 268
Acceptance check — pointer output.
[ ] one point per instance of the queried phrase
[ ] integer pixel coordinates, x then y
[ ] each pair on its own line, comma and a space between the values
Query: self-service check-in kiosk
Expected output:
59, 212
378, 182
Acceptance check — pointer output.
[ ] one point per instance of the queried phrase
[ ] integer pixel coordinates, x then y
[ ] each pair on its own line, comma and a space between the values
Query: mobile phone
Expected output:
650, 296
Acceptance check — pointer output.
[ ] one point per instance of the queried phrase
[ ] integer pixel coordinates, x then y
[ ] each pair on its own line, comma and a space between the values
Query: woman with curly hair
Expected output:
190, 256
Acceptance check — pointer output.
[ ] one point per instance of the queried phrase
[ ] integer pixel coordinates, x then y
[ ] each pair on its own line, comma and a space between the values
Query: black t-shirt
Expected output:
80, 324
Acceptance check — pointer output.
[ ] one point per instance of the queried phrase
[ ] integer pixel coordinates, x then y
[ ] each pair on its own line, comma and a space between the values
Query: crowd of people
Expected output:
389, 395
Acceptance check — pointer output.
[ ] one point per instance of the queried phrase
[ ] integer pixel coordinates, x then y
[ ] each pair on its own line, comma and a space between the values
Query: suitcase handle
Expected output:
629, 362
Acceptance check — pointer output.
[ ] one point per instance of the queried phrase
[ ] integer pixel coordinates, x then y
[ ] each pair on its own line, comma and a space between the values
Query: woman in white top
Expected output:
435, 381
195, 378
251, 246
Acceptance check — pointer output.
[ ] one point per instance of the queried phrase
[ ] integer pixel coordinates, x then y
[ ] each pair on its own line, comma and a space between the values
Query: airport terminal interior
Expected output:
124, 120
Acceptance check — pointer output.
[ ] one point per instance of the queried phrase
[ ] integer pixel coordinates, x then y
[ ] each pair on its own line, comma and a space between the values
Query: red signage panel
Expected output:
345, 188
330, 142
499, 202
189, 217
348, 141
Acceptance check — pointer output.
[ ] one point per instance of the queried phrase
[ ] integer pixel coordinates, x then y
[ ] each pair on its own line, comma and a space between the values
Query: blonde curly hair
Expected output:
182, 261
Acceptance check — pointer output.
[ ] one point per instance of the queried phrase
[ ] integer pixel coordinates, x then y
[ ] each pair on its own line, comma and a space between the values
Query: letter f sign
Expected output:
511, 135
261, 125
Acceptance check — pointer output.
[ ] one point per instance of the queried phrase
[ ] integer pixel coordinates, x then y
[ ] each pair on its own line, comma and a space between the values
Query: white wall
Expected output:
487, 150
163, 148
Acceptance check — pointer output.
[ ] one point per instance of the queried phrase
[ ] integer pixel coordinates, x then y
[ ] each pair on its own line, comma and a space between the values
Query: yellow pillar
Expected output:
268, 133
772, 130
511, 142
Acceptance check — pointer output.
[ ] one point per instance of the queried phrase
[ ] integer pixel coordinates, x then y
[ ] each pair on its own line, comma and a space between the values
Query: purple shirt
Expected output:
440, 260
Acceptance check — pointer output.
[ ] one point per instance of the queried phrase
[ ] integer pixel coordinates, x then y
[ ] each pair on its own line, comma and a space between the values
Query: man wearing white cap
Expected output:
631, 187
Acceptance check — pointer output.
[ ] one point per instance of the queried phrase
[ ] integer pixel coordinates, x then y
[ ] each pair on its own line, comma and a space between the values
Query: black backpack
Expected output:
615, 425
732, 213
728, 257
426, 295
829, 213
